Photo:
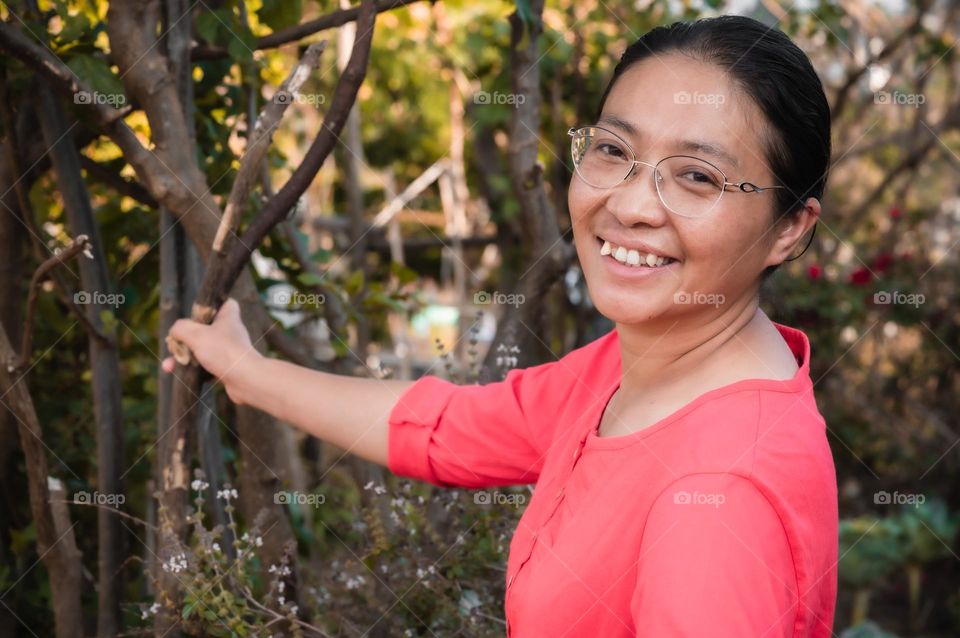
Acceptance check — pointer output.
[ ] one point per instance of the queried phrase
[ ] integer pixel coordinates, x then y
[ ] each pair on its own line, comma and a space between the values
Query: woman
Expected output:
684, 484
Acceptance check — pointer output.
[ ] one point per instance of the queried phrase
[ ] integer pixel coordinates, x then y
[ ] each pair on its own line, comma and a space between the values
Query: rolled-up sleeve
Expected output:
477, 435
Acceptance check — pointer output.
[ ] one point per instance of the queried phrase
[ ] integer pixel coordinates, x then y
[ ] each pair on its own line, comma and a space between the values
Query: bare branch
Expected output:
332, 20
259, 142
79, 245
61, 78
222, 273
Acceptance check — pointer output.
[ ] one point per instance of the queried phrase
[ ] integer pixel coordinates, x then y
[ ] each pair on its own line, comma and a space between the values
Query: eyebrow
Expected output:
697, 146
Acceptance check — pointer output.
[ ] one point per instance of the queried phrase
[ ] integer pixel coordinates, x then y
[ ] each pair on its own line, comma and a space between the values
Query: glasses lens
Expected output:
689, 186
602, 159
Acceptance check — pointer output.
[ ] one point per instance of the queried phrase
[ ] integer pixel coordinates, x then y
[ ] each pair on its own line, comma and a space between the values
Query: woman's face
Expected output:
669, 101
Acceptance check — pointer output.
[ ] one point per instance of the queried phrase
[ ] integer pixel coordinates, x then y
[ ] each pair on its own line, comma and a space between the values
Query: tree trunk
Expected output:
55, 547
104, 361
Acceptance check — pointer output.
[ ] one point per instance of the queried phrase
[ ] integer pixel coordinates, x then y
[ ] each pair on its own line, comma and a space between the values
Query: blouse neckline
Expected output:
796, 340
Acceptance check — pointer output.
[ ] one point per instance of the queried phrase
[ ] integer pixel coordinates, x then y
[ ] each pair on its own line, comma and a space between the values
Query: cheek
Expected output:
730, 244
578, 200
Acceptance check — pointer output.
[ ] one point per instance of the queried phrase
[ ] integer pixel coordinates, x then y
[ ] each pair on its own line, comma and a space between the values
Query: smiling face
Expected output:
720, 253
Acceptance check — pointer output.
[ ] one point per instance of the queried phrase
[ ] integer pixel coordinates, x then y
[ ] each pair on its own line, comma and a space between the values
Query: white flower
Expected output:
199, 485
354, 582
176, 564
377, 489
258, 541
216, 547
227, 494
152, 609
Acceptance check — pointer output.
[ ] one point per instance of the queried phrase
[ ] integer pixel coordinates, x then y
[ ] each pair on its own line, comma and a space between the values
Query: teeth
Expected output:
631, 257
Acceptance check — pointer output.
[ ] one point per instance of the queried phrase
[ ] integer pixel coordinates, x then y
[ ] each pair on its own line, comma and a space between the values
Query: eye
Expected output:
609, 150
700, 177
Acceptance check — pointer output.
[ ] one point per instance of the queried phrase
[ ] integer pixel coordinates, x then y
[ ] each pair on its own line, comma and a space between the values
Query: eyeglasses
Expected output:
687, 185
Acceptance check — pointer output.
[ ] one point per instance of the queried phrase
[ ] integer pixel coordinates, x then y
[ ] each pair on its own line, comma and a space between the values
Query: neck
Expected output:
662, 351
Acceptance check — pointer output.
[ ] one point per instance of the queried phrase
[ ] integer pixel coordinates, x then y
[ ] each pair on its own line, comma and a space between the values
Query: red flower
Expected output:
882, 262
814, 272
861, 276
895, 213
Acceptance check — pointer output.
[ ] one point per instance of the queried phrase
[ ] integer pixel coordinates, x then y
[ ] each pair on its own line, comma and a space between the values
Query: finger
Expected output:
185, 330
167, 364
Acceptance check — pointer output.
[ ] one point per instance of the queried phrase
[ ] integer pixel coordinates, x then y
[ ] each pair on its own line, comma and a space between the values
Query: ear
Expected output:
790, 230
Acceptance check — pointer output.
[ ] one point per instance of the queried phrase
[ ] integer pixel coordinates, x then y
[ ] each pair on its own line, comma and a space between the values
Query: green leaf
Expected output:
354, 283
74, 27
239, 50
310, 279
95, 74
525, 12
278, 14
207, 26
403, 273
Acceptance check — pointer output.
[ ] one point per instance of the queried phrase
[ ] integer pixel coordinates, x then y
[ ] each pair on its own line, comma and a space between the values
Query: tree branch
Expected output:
297, 32
258, 142
79, 245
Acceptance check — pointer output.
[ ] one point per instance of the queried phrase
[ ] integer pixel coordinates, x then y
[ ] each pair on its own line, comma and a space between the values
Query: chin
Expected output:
623, 306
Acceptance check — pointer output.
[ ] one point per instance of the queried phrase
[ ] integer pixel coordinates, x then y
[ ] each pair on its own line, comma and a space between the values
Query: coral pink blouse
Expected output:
718, 520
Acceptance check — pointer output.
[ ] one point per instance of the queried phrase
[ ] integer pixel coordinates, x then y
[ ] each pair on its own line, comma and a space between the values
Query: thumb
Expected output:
228, 312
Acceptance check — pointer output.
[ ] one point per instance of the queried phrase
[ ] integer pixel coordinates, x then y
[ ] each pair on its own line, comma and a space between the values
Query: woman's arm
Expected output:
350, 412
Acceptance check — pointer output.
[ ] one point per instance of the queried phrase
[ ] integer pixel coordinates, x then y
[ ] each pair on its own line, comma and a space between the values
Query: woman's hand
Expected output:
223, 348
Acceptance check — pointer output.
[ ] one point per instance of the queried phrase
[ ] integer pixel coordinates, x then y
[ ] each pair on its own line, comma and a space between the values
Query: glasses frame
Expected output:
745, 187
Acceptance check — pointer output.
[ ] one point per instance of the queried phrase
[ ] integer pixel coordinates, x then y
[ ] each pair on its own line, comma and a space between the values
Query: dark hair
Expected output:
777, 75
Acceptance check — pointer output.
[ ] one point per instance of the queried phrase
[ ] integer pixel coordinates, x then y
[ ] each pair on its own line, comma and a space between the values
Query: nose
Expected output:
636, 200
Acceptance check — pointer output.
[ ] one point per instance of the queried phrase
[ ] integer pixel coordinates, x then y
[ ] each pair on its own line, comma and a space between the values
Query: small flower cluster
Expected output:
377, 489
176, 564
150, 611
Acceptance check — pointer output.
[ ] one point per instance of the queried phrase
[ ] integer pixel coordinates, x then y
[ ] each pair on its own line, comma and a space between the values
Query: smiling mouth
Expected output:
633, 257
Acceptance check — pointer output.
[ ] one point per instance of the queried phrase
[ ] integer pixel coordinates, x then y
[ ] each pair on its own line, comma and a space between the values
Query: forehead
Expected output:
674, 103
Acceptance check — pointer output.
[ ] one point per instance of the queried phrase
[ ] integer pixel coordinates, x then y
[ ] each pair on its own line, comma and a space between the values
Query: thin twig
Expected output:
258, 141
78, 245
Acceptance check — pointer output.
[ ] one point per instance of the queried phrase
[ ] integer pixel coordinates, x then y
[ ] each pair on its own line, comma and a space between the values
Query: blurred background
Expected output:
434, 239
